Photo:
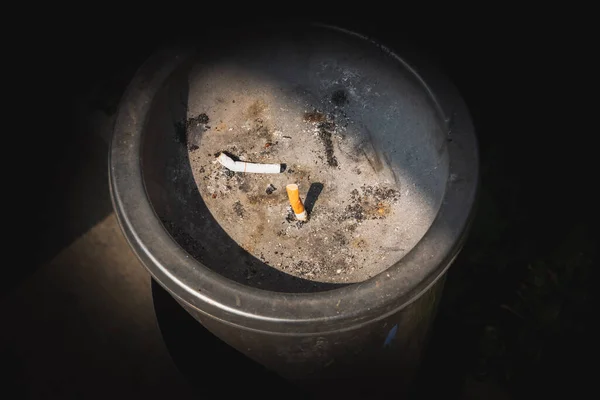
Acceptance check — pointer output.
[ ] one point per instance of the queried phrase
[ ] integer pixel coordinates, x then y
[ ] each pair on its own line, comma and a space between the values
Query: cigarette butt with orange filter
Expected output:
295, 202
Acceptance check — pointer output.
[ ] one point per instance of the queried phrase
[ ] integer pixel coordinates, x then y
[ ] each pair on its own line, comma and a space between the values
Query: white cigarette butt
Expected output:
241, 166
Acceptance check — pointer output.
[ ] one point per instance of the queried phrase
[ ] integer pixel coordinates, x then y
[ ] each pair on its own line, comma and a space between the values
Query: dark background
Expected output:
516, 315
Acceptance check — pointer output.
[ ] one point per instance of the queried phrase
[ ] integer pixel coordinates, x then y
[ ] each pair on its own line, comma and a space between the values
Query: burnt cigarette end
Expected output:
271, 189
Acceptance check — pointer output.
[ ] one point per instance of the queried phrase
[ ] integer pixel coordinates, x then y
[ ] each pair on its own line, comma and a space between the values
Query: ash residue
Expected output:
325, 128
354, 211
291, 219
261, 130
239, 209
243, 184
314, 117
313, 134
325, 134
303, 268
258, 126
256, 108
380, 193
339, 239
371, 202
218, 180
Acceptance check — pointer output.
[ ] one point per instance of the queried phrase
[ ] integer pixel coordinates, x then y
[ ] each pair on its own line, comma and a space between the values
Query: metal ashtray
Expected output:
384, 155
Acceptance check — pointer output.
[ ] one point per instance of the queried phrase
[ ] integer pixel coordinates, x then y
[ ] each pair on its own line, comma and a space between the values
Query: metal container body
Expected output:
378, 357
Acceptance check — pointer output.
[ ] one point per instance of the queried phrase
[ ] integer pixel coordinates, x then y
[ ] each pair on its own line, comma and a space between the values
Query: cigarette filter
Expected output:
295, 202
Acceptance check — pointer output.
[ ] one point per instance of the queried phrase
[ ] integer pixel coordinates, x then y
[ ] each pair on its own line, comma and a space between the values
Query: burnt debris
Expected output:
271, 189
187, 132
339, 98
325, 134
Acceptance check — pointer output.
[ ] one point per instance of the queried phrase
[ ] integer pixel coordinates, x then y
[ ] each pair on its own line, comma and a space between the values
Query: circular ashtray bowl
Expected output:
356, 130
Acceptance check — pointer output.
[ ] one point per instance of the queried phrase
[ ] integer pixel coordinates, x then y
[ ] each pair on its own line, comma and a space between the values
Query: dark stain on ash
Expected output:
314, 117
260, 128
325, 134
200, 119
339, 98
339, 239
326, 129
188, 132
243, 185
256, 109
271, 189
239, 209
354, 211
370, 203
